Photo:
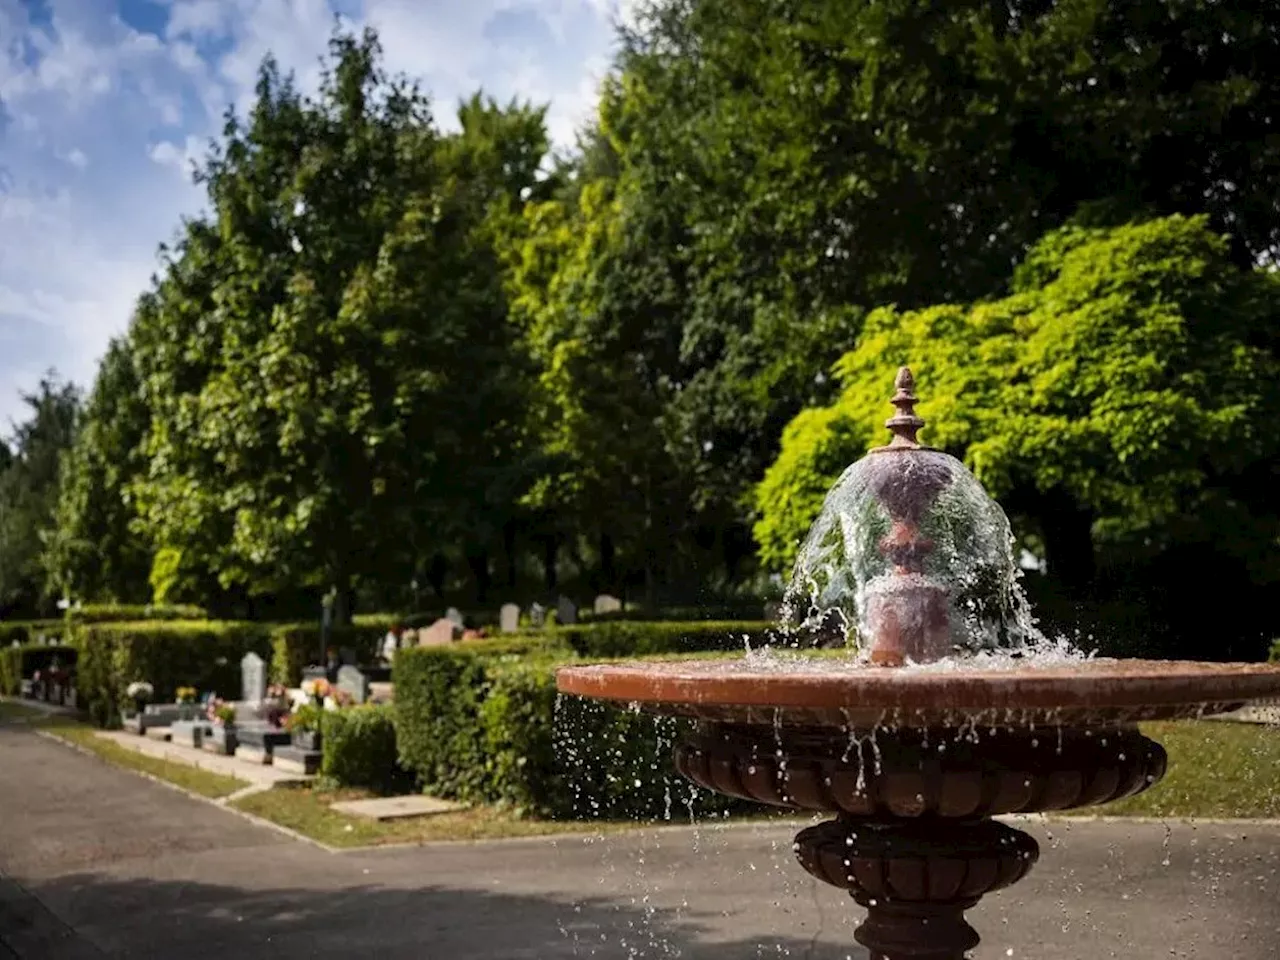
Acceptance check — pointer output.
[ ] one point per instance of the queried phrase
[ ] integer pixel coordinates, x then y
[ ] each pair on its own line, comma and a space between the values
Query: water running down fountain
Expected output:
925, 736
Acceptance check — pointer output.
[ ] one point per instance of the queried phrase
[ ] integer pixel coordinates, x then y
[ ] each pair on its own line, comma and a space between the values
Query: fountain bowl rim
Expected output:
1094, 691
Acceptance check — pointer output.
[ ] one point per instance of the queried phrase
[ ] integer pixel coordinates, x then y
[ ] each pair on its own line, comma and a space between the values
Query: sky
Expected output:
103, 103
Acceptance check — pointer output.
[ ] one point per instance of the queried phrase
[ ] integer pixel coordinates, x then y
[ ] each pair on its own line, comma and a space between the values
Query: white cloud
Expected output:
141, 95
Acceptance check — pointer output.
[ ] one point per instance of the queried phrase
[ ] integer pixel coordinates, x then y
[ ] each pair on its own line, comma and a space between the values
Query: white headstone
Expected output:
537, 615
566, 611
454, 614
509, 618
353, 681
606, 603
253, 678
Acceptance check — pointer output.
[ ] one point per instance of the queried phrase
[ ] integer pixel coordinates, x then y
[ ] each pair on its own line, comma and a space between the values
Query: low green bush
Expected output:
133, 613
30, 631
484, 727
19, 663
625, 638
168, 654
359, 746
744, 611
1274, 657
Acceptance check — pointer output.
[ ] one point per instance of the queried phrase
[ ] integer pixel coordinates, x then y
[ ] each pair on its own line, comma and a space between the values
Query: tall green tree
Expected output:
91, 552
1121, 403
29, 490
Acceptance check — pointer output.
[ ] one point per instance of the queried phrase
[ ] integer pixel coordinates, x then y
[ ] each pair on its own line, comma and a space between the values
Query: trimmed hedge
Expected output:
484, 727
1275, 651
133, 613
30, 631
746, 611
359, 746
294, 645
201, 654
19, 663
625, 638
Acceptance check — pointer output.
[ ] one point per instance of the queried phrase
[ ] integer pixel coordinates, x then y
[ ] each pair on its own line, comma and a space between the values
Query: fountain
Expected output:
952, 713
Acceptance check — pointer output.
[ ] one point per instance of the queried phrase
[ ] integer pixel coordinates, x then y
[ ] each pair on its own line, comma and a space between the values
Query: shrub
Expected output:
1275, 651
624, 638
202, 654
30, 631
132, 613
359, 745
17, 663
479, 726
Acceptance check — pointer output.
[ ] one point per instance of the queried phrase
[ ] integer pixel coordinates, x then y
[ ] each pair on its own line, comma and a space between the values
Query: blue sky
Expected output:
103, 103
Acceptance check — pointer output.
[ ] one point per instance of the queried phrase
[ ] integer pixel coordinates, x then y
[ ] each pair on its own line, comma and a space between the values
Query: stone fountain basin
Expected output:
826, 693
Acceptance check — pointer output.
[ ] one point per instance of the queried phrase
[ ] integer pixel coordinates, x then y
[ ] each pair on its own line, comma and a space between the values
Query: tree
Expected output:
28, 492
831, 156
1120, 403
91, 553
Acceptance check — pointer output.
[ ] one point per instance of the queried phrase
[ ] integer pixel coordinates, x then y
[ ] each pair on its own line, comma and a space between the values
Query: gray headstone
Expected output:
454, 615
537, 615
509, 618
439, 634
354, 682
772, 610
253, 677
606, 603
566, 611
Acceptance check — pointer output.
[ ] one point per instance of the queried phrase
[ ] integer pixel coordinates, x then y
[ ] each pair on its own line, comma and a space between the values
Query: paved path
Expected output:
101, 863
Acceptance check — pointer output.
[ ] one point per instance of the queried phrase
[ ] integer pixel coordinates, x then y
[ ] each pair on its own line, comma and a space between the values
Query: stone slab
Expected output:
133, 725
293, 760
395, 808
158, 733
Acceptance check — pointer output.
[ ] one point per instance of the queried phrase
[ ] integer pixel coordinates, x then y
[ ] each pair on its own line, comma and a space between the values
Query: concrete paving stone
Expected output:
396, 808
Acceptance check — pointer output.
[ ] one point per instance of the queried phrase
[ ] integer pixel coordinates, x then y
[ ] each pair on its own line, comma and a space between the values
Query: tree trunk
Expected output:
608, 561
479, 563
509, 551
1068, 542
550, 553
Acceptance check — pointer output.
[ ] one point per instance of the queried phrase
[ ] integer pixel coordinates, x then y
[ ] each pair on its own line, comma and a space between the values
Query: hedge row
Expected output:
133, 613
201, 654
1275, 651
30, 631
17, 663
624, 638
481, 725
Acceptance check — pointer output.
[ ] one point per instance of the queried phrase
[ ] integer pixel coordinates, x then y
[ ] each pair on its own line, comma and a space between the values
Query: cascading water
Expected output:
908, 543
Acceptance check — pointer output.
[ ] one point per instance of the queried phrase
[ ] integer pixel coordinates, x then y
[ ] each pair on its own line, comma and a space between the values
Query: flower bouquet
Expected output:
186, 698
222, 718
140, 692
304, 726
275, 705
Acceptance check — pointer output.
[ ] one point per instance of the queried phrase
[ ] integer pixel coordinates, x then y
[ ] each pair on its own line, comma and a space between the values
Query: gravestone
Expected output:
253, 678
509, 618
772, 610
538, 616
454, 615
606, 603
353, 681
566, 611
439, 634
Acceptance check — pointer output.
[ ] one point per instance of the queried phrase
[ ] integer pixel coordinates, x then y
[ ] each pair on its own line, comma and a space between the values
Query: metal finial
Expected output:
904, 424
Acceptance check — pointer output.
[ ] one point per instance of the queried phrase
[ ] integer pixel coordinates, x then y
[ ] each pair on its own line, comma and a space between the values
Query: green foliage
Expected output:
20, 663
1274, 656
124, 612
91, 553
492, 729
168, 655
621, 638
29, 492
1120, 403
306, 719
360, 747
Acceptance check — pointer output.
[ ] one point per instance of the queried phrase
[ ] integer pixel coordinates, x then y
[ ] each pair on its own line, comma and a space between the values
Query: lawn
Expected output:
10, 711
305, 808
202, 782
1216, 769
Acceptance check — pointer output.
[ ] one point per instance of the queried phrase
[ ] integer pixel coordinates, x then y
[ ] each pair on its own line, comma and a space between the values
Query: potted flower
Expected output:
275, 705
304, 726
222, 719
140, 692
186, 697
